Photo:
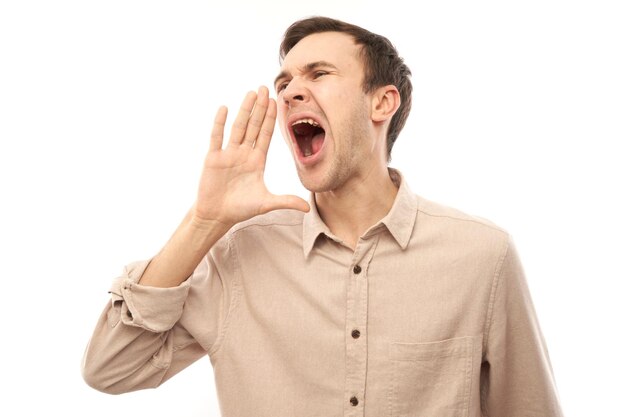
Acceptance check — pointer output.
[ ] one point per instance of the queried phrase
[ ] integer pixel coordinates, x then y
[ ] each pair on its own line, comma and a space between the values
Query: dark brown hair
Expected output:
381, 63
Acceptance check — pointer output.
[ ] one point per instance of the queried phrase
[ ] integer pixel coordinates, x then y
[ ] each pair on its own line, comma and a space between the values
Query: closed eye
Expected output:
280, 87
314, 76
318, 74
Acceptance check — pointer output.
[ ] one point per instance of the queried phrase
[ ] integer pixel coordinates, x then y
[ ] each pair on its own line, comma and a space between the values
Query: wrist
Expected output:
205, 225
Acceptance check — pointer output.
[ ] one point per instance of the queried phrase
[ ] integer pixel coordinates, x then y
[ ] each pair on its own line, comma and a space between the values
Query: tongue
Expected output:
316, 142
312, 144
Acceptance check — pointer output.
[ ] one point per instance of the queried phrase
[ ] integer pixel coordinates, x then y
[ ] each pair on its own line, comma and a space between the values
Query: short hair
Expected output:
381, 62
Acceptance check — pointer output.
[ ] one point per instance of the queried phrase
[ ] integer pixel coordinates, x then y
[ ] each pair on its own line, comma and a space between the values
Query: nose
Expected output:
295, 93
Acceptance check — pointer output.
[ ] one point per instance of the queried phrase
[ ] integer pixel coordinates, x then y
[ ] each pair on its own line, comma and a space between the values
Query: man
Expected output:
369, 301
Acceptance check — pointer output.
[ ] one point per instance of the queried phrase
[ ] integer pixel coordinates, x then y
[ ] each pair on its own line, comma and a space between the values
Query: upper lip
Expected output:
292, 118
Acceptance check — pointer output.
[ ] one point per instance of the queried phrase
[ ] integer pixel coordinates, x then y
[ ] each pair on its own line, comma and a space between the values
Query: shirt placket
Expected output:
356, 328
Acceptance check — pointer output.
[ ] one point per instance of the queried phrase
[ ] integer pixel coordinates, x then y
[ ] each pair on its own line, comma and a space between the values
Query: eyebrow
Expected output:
307, 68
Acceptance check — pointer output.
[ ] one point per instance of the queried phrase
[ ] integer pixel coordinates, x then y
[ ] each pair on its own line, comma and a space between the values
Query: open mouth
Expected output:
309, 136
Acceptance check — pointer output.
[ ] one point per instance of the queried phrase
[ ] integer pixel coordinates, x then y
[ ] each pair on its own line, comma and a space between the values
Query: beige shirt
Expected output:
429, 316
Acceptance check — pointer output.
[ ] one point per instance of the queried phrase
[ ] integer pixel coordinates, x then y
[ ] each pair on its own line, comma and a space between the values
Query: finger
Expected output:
256, 118
278, 202
267, 129
241, 122
217, 133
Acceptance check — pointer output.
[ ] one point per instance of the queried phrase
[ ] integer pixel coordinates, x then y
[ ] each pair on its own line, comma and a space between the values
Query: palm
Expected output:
231, 187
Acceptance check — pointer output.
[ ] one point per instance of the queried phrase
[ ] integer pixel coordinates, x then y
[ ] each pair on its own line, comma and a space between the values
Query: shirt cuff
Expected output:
151, 308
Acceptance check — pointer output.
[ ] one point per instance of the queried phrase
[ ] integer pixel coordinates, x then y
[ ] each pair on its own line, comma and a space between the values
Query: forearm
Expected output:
145, 336
191, 241
114, 365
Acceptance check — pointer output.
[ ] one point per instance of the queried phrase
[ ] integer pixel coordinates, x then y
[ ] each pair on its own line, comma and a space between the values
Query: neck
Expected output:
359, 204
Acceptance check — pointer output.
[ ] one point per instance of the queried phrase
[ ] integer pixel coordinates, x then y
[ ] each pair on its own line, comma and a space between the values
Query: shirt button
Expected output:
354, 401
356, 334
356, 269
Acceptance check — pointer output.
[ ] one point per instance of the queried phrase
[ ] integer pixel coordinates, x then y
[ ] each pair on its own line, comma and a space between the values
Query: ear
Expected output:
385, 103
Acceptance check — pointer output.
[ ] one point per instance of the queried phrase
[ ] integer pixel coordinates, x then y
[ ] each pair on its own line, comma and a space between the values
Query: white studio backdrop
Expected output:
105, 112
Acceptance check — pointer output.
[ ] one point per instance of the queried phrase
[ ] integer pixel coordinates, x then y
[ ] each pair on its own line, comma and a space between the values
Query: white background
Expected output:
519, 116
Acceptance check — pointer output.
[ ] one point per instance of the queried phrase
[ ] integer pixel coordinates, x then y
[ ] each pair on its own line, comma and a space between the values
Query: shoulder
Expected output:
279, 228
436, 210
276, 218
452, 224
277, 224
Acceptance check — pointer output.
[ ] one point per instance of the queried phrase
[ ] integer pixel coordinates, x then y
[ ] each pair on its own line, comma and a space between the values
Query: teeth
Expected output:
308, 152
309, 121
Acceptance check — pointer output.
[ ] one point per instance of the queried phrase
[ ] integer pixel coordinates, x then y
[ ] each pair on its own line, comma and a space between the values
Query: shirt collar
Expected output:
400, 220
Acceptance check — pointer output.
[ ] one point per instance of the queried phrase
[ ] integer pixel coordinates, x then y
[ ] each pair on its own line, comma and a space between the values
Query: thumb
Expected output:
277, 202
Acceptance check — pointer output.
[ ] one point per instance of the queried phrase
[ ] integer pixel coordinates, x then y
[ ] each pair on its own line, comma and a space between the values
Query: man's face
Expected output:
323, 113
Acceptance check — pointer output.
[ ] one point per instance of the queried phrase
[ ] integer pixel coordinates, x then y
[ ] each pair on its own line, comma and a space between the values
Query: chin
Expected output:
313, 183
310, 184
320, 182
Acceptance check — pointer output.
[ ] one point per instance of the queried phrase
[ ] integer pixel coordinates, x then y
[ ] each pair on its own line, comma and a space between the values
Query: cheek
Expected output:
281, 122
344, 108
335, 104
281, 110
285, 134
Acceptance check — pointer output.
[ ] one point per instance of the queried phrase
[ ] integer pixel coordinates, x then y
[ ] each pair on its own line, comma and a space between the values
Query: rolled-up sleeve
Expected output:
145, 335
153, 309
517, 377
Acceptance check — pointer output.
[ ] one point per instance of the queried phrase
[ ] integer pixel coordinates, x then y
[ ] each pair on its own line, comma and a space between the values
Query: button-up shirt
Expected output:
429, 315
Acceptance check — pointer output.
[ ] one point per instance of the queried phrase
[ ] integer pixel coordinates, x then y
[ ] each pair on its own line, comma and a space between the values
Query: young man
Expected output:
369, 301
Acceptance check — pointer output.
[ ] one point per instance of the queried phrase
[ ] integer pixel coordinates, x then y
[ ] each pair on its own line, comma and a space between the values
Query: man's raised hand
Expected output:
232, 188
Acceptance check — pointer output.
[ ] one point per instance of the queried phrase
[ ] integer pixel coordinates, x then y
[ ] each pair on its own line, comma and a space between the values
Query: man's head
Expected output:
381, 63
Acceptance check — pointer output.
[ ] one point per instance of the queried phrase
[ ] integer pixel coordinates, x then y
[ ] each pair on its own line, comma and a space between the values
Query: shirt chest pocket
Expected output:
431, 379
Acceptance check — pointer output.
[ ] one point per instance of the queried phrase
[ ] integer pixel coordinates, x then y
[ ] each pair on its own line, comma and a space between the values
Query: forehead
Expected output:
335, 47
